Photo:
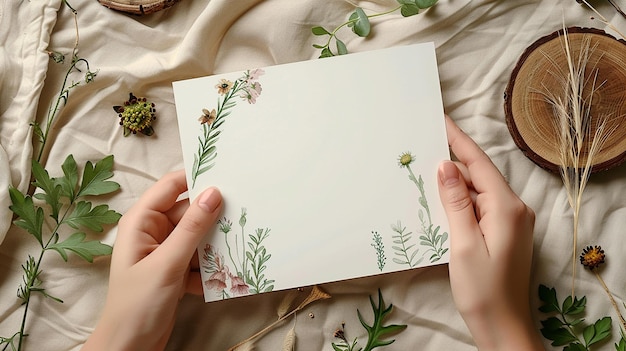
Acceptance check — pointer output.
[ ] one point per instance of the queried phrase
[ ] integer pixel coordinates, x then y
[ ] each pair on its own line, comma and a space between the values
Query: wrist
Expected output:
504, 331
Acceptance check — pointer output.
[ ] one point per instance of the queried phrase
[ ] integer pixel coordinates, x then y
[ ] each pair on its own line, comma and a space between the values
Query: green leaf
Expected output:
559, 337
621, 346
377, 330
70, 179
575, 347
51, 189
408, 10
601, 330
319, 31
549, 299
94, 180
341, 47
29, 217
424, 4
551, 324
361, 24
85, 249
326, 53
86, 217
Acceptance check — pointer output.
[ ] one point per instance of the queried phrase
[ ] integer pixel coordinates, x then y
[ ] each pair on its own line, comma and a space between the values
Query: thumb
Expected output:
458, 204
197, 221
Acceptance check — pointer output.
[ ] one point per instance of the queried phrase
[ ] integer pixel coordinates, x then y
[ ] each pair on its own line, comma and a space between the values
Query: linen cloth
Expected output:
477, 43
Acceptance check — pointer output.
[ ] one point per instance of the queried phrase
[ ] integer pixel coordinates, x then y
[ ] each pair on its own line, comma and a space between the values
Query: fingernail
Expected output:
210, 199
448, 173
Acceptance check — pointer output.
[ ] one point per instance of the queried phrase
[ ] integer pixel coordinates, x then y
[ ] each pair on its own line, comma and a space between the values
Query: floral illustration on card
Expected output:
244, 273
404, 246
431, 237
247, 88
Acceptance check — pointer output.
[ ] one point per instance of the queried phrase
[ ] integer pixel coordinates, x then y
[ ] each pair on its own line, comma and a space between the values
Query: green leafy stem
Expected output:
65, 197
406, 253
360, 24
258, 257
431, 238
376, 333
379, 247
565, 328
210, 133
66, 87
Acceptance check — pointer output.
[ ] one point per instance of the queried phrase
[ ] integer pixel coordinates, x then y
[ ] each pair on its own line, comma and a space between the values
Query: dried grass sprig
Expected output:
316, 294
579, 140
604, 20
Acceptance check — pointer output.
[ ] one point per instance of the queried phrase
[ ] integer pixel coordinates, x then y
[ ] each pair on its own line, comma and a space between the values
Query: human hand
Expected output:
491, 246
150, 267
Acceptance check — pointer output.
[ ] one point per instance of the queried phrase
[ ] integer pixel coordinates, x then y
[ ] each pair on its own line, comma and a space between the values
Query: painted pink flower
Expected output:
217, 281
238, 286
255, 74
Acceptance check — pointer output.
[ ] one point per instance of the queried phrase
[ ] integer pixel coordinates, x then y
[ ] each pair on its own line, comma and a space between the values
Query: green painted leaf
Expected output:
559, 337
85, 249
319, 31
92, 218
361, 25
94, 180
29, 217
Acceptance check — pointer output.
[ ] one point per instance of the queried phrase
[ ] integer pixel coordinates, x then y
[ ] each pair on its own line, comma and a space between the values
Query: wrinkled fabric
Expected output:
478, 44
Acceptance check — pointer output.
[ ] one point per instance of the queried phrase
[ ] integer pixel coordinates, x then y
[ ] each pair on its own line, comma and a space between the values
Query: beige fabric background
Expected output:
478, 43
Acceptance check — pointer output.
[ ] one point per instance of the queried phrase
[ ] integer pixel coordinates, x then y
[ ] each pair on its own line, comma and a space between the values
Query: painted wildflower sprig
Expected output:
566, 328
379, 247
404, 251
431, 237
258, 257
360, 24
376, 333
249, 261
65, 199
247, 88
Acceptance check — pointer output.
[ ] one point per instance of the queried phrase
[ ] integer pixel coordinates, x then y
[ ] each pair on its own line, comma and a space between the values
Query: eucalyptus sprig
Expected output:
360, 24
566, 328
65, 198
375, 332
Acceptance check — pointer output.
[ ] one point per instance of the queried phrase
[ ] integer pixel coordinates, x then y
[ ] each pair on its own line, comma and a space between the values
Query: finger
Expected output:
179, 247
163, 194
459, 207
483, 173
177, 211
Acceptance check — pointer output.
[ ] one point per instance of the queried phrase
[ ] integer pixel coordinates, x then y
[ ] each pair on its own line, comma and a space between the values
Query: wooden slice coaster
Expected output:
541, 70
138, 7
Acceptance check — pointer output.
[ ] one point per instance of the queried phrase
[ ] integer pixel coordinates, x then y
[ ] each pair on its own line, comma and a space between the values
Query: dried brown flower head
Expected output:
592, 257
